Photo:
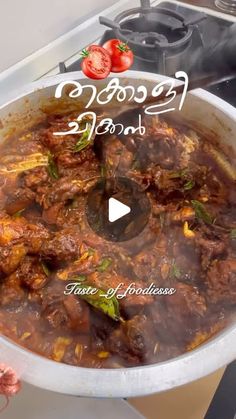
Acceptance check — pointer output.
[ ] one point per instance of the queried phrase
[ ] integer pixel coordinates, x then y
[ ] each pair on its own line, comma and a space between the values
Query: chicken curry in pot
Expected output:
188, 245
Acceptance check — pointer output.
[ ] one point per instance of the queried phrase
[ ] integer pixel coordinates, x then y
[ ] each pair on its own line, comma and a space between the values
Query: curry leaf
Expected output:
79, 278
91, 251
178, 174
189, 185
104, 265
45, 269
201, 212
84, 140
108, 305
52, 167
175, 272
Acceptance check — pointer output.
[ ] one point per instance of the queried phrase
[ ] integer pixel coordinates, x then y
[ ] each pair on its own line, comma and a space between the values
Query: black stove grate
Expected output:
166, 59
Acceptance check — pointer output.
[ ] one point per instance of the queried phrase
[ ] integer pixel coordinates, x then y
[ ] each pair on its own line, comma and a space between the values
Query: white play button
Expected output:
116, 210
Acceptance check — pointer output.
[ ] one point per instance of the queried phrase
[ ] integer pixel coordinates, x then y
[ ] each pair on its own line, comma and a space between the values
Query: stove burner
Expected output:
165, 28
151, 38
156, 35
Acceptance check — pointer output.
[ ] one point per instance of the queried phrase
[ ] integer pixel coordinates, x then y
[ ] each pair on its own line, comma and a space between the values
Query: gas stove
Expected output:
163, 39
160, 37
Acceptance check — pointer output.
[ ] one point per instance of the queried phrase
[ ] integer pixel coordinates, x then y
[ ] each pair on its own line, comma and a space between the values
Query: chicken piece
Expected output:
221, 282
85, 265
18, 200
57, 143
11, 257
67, 159
67, 312
78, 314
176, 316
185, 304
64, 147
51, 214
56, 315
147, 264
10, 230
135, 339
63, 190
17, 230
53, 309
145, 239
63, 246
26, 144
166, 181
211, 245
11, 293
35, 236
36, 177
115, 157
67, 214
162, 145
32, 274
211, 249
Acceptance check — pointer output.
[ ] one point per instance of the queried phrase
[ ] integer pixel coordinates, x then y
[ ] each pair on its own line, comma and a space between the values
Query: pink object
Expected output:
9, 383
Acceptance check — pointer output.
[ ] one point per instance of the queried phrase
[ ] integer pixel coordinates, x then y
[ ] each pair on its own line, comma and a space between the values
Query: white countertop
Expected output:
34, 403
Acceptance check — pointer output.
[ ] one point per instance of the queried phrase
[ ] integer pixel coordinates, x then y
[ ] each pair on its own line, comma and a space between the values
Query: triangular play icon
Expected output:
116, 210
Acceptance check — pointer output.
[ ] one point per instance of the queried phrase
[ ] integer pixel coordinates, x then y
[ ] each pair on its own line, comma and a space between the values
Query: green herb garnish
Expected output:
84, 140
189, 185
108, 306
178, 174
201, 212
52, 168
104, 265
18, 213
233, 234
175, 271
79, 278
46, 270
91, 251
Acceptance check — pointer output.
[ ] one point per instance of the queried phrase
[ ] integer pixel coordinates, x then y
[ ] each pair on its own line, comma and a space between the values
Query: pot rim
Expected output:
134, 381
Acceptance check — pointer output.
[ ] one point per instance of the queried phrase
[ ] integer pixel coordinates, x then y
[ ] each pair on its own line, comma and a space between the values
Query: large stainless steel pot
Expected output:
211, 114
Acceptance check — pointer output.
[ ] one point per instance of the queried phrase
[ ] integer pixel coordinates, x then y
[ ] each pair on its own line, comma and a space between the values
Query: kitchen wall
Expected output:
27, 25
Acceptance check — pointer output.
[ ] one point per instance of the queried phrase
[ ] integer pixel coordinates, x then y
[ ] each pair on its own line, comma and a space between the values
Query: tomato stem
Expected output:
123, 47
84, 53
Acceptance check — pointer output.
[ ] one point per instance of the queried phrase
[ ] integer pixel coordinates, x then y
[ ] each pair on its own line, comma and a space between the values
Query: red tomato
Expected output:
96, 62
121, 55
